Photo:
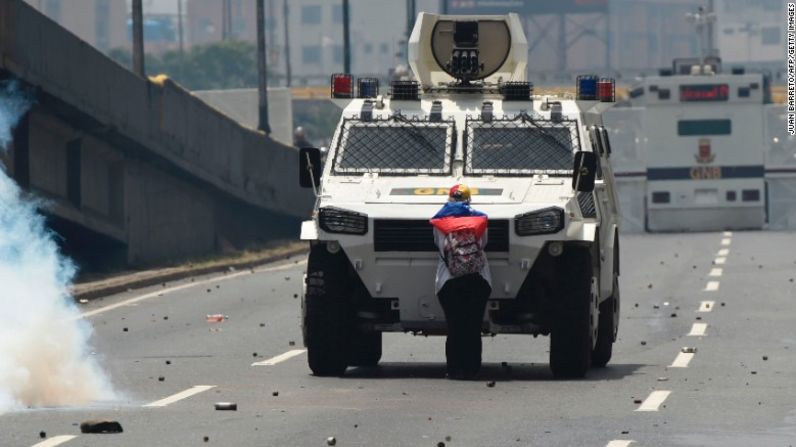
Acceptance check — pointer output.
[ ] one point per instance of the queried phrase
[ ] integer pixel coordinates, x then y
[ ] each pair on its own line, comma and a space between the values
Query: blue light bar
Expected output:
587, 87
368, 87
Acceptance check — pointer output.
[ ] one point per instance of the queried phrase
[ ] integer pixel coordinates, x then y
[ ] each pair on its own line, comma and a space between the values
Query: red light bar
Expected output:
606, 89
342, 85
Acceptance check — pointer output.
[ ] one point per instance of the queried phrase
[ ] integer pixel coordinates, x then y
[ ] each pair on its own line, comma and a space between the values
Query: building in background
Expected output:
378, 33
624, 37
98, 22
751, 31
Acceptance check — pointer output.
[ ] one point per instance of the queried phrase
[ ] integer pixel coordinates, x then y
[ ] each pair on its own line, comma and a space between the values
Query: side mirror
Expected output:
584, 171
309, 167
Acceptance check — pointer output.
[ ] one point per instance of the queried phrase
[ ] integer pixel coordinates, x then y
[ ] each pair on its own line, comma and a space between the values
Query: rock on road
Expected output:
730, 298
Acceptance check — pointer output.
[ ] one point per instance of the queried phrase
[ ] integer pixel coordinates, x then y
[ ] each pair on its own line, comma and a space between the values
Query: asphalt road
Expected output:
737, 389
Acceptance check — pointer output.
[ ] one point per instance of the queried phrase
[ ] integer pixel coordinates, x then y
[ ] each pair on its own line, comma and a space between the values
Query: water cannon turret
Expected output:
450, 49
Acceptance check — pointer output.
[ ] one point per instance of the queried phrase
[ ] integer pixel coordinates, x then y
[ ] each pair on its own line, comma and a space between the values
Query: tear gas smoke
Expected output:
43, 344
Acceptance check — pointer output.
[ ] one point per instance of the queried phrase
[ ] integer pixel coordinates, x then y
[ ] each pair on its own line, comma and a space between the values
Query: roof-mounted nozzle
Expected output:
446, 50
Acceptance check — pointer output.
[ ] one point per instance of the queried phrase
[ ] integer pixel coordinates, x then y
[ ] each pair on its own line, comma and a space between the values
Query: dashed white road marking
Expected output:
682, 360
654, 400
280, 358
712, 286
180, 396
619, 443
726, 241
161, 292
720, 260
716, 272
706, 306
698, 330
723, 252
728, 234
55, 440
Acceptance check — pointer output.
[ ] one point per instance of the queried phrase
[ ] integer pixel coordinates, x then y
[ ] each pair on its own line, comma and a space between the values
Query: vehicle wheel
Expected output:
607, 329
364, 349
571, 340
326, 313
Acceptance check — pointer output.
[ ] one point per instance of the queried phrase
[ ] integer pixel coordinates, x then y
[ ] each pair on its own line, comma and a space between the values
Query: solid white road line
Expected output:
720, 260
698, 330
280, 358
726, 241
716, 272
654, 401
161, 292
682, 360
723, 252
712, 286
55, 440
619, 443
728, 234
180, 396
706, 306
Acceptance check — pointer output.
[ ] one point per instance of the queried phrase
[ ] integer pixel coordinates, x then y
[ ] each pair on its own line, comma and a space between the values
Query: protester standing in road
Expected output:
463, 282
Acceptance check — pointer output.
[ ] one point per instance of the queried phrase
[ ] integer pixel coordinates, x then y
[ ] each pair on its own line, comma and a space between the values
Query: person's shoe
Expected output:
469, 375
456, 374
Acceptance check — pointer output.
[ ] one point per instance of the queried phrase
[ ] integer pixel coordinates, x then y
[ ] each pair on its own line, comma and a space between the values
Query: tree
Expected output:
222, 65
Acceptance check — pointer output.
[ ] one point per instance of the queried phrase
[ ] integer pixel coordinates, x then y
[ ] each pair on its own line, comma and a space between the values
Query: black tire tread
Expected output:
571, 339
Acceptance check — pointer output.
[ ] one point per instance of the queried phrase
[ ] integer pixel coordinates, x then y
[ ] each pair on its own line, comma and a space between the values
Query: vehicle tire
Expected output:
326, 312
607, 329
364, 349
571, 340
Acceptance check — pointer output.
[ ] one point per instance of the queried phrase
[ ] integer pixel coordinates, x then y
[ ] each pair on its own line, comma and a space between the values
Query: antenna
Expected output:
703, 21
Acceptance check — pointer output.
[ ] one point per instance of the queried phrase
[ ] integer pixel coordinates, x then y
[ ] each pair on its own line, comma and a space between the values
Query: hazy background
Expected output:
210, 43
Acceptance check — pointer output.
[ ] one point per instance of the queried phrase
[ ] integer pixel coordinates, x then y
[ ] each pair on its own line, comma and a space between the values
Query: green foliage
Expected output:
221, 65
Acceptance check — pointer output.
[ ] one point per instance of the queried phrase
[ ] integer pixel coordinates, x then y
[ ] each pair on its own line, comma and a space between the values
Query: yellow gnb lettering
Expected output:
705, 172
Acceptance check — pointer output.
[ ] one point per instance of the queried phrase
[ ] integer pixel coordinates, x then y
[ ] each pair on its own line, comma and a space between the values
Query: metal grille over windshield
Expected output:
394, 146
522, 145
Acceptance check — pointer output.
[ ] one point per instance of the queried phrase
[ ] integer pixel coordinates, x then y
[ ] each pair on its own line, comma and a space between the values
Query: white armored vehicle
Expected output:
537, 166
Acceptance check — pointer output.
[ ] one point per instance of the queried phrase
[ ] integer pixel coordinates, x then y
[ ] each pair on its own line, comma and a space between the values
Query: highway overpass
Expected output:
137, 166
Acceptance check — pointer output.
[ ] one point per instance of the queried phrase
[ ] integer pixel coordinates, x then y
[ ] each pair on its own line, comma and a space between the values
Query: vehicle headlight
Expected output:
546, 221
336, 220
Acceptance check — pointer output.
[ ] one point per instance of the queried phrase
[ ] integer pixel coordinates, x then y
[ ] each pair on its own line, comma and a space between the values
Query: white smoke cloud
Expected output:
44, 359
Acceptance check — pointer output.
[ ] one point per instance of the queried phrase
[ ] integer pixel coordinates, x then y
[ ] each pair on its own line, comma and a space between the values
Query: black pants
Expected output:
464, 300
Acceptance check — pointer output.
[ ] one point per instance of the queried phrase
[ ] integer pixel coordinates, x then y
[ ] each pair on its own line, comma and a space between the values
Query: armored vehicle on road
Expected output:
538, 166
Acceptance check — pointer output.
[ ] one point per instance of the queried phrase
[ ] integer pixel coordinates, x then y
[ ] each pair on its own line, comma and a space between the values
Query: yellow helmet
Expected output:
459, 193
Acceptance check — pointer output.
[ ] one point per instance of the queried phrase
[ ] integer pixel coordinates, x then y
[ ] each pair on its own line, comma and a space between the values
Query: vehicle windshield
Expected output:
394, 146
520, 147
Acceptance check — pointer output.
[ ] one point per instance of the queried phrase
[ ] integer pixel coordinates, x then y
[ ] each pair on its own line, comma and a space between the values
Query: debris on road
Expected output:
765, 357
216, 318
275, 393
636, 401
331, 440
168, 362
161, 379
649, 286
662, 379
688, 350
42, 434
84, 301
490, 384
291, 343
124, 329
226, 406
206, 439
673, 315
99, 426
643, 343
